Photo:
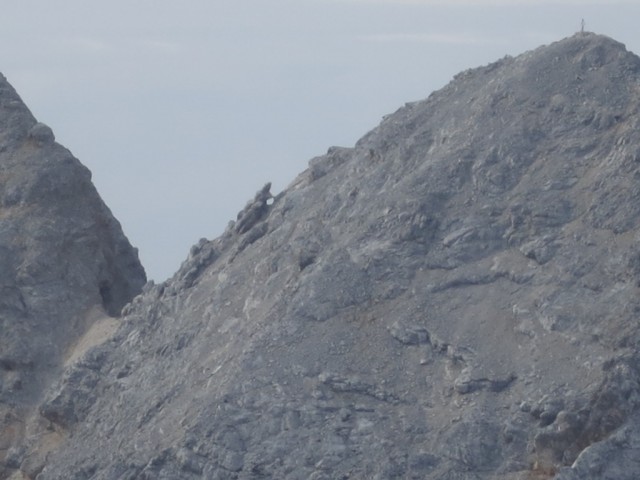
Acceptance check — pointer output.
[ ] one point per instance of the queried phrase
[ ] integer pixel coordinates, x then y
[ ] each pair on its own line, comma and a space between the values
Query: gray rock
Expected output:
409, 334
455, 297
41, 134
254, 211
64, 263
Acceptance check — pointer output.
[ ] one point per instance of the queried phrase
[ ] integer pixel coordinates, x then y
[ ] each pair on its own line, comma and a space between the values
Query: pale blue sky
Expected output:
182, 110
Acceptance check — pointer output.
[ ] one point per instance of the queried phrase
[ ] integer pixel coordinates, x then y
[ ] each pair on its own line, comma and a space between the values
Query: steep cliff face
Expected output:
64, 262
456, 297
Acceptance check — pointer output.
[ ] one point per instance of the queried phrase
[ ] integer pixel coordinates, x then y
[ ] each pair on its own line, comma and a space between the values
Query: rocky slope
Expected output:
64, 263
456, 297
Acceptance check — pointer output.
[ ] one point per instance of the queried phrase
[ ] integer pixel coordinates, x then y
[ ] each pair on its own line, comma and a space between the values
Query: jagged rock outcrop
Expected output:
455, 297
64, 262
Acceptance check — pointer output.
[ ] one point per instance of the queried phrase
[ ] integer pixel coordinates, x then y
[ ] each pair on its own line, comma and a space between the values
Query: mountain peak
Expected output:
454, 297
587, 50
62, 255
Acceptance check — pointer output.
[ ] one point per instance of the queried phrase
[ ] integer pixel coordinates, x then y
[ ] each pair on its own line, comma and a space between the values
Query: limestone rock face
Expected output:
62, 257
456, 297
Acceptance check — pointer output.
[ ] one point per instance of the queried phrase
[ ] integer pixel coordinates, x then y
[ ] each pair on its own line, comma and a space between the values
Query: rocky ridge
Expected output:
64, 263
455, 297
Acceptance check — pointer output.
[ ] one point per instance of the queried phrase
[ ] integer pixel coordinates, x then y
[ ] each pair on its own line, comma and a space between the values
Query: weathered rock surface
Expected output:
456, 297
64, 263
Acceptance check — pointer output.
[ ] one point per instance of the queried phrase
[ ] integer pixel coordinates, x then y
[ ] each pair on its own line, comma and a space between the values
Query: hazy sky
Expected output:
182, 110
